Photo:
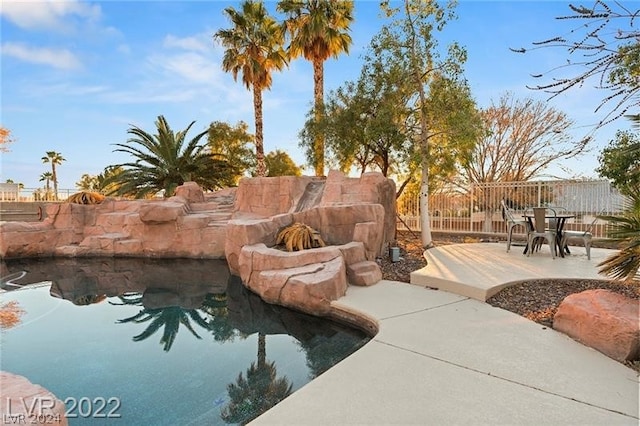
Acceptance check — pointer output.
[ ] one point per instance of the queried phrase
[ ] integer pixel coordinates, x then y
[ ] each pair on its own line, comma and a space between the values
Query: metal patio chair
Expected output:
511, 222
586, 236
541, 231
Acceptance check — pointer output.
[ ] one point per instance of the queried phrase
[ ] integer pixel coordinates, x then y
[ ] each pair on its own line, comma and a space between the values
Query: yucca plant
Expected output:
299, 236
625, 229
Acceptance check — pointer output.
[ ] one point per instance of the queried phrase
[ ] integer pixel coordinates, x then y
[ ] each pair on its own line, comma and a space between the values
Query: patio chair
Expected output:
540, 230
512, 222
586, 236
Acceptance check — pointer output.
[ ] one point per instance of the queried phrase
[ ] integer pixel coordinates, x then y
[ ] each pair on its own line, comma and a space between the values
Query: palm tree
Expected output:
318, 30
163, 162
254, 48
55, 158
46, 177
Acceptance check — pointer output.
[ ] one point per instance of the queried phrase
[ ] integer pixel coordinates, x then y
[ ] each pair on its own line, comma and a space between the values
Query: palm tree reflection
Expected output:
170, 317
259, 391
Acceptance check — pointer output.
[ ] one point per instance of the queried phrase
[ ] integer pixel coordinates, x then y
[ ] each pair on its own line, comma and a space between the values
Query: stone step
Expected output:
364, 273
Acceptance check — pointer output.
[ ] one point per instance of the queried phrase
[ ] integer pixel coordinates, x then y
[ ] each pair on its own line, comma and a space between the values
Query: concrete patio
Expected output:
443, 358
480, 270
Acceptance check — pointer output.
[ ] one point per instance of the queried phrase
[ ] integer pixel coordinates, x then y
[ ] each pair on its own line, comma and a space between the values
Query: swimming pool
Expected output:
170, 341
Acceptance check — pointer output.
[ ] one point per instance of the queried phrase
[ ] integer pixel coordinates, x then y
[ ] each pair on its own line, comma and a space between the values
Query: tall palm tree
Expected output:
163, 162
254, 48
46, 178
55, 158
319, 29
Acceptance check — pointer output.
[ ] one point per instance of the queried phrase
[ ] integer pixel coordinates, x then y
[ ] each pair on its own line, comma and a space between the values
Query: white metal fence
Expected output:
12, 192
477, 209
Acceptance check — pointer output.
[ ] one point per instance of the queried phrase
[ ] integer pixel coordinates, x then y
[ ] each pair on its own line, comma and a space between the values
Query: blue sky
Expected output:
77, 74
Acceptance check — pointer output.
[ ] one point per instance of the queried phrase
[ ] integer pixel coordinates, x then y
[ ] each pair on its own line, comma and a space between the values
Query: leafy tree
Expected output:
410, 40
87, 183
604, 46
164, 161
523, 137
363, 122
280, 164
620, 161
319, 29
55, 158
233, 142
254, 47
5, 139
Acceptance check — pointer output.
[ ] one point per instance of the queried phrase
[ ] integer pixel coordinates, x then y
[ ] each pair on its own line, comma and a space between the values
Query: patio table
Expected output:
560, 219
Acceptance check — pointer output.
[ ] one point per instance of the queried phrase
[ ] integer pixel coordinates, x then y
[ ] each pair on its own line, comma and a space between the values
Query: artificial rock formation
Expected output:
222, 225
306, 280
175, 227
603, 320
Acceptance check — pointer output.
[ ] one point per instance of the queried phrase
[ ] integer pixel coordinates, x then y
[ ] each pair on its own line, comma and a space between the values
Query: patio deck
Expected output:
480, 270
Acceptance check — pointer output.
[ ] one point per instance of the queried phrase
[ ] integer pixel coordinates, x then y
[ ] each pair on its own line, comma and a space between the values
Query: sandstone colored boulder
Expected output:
603, 320
307, 280
20, 396
364, 273
191, 192
310, 288
313, 293
264, 197
168, 211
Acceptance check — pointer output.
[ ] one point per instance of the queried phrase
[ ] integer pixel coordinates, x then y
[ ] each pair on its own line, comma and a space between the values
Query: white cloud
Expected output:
51, 14
57, 58
194, 43
189, 66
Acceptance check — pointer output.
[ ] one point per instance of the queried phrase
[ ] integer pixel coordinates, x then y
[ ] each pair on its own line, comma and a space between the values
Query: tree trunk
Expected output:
425, 222
318, 94
55, 180
261, 167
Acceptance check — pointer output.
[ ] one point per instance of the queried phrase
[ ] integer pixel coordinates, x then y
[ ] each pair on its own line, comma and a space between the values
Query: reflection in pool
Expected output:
173, 341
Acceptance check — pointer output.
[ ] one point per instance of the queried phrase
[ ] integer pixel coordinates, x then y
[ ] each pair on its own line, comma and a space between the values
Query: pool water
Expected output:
159, 342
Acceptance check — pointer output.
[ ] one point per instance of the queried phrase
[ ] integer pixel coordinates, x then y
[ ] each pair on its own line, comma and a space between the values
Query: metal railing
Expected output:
477, 209
34, 194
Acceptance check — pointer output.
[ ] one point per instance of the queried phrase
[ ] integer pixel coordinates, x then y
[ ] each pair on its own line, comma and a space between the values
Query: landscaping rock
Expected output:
24, 402
364, 273
191, 192
603, 320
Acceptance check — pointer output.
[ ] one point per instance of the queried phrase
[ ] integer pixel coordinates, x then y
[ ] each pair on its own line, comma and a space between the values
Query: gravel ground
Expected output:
536, 300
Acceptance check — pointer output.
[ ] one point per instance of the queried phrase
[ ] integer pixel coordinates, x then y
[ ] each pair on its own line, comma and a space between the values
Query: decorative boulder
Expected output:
191, 192
603, 320
24, 402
